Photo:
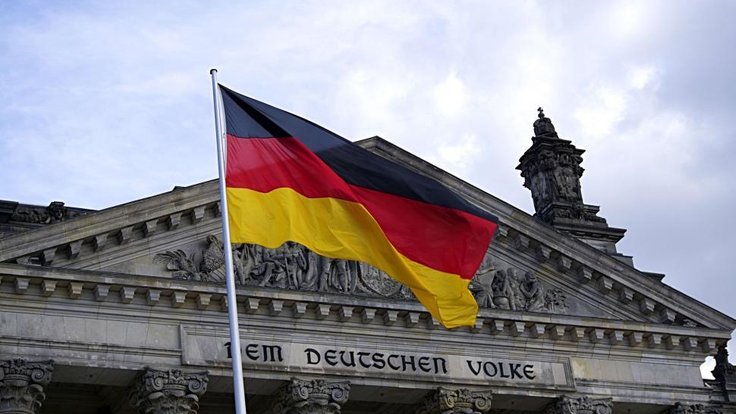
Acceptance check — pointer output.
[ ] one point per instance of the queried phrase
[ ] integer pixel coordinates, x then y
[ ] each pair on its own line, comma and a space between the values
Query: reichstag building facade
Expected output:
123, 311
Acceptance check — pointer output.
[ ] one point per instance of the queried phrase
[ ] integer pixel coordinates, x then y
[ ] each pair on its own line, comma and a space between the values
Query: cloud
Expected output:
105, 103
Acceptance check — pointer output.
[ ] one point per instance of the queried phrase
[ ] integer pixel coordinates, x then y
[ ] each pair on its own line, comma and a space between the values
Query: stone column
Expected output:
21, 385
168, 392
456, 401
311, 397
580, 405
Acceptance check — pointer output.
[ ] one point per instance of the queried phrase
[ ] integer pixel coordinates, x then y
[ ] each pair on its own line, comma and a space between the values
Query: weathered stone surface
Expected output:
168, 391
103, 309
311, 397
725, 375
294, 267
580, 405
22, 385
456, 401
552, 169
682, 408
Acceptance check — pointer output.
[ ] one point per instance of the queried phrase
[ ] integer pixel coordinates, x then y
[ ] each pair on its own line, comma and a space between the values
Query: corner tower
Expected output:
551, 171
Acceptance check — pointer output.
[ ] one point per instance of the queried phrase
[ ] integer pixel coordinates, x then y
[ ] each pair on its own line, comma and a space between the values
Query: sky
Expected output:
107, 102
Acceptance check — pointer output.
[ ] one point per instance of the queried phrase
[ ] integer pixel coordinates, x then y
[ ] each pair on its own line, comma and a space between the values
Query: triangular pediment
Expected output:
531, 269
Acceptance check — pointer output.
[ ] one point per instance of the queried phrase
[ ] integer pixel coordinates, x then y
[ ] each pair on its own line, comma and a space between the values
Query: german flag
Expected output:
288, 179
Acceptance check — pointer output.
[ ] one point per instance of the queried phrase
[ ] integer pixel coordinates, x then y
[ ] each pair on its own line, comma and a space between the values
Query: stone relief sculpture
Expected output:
292, 266
506, 290
54, 213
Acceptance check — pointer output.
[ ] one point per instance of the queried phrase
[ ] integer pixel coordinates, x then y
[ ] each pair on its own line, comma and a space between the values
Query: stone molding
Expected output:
637, 300
580, 405
168, 391
137, 291
456, 401
311, 397
22, 385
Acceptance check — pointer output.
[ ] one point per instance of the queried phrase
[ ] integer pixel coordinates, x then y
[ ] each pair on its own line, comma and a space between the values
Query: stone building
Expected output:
123, 310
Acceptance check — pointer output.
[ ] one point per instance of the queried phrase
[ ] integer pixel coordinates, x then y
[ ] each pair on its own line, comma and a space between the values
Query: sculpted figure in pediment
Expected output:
503, 295
292, 266
533, 293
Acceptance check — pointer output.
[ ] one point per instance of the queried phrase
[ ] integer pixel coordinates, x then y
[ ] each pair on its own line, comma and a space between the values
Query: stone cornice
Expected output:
115, 222
141, 292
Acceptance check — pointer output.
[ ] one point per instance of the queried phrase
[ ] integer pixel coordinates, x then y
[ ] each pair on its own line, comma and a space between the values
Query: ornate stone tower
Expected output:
551, 170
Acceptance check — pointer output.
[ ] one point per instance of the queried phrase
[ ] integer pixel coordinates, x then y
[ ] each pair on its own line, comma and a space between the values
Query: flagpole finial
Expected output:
213, 70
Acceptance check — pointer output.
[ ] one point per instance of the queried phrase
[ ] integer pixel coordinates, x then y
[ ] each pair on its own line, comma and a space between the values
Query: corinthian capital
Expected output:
580, 405
168, 392
456, 401
311, 397
21, 385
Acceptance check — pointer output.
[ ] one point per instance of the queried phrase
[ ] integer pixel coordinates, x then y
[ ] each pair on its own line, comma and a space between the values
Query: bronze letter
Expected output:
331, 357
310, 353
351, 362
529, 371
404, 363
515, 370
390, 357
487, 371
271, 353
362, 354
438, 361
251, 351
424, 363
500, 368
470, 365
378, 361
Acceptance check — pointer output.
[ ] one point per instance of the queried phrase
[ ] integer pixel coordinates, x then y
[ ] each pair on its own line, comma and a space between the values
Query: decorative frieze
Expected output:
292, 266
311, 397
168, 391
580, 405
22, 385
456, 401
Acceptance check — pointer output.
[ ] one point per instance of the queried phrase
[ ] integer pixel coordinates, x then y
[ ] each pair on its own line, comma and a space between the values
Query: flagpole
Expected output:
232, 304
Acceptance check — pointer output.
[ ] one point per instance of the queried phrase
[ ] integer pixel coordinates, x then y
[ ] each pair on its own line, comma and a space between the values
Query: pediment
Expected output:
530, 267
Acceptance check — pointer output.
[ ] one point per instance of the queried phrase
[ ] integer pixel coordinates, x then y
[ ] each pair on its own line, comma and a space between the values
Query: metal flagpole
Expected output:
232, 304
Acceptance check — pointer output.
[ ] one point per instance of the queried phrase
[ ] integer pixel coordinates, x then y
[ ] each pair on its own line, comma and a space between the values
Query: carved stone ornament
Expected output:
543, 126
54, 213
724, 371
22, 385
580, 405
551, 170
456, 401
311, 397
680, 408
292, 266
168, 392
511, 290
725, 375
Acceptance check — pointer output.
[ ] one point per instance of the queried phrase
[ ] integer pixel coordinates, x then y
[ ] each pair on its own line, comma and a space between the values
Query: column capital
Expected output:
168, 391
311, 397
682, 408
445, 400
580, 405
22, 385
